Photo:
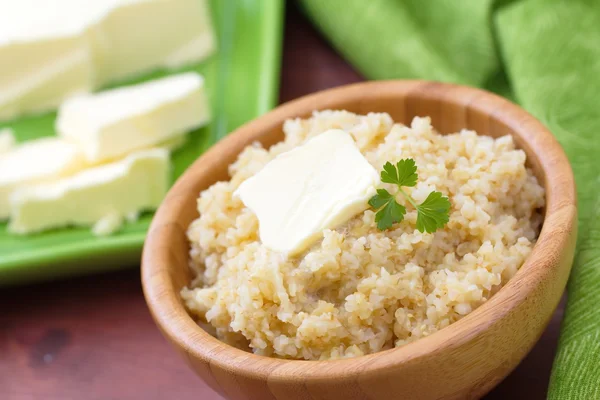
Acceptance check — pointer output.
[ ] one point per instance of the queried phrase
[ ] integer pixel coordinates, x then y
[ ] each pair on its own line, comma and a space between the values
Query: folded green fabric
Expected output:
550, 51
451, 41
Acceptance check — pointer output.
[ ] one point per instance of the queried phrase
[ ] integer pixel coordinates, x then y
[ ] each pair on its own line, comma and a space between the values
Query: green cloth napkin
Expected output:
544, 54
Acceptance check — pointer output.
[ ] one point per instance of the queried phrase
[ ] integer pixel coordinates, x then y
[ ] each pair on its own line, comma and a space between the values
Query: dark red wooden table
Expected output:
93, 338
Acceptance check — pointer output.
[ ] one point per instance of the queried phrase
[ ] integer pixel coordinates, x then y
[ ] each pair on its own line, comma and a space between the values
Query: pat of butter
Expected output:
51, 50
45, 56
36, 76
316, 186
115, 122
7, 140
141, 35
107, 193
34, 162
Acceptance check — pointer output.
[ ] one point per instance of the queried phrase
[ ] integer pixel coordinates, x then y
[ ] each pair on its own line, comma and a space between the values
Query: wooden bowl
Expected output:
462, 361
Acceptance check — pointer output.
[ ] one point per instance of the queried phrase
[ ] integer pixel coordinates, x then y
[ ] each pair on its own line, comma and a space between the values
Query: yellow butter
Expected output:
115, 122
108, 193
52, 50
33, 162
137, 36
316, 186
7, 140
36, 75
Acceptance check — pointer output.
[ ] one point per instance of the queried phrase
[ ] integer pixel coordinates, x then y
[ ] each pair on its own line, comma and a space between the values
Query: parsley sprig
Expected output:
432, 214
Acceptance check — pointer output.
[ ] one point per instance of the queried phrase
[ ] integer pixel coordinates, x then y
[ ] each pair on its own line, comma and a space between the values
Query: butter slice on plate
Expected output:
44, 56
34, 162
317, 186
113, 123
137, 36
103, 195
53, 49
7, 140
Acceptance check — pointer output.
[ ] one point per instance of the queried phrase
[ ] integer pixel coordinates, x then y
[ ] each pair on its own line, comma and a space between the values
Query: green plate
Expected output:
242, 82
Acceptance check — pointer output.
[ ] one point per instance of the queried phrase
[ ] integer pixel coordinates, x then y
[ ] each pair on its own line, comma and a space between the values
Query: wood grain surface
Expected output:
93, 338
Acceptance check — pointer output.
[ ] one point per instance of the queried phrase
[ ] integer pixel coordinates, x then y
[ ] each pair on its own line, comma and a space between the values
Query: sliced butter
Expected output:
137, 36
115, 122
36, 76
107, 193
316, 186
51, 50
45, 55
34, 162
7, 140
173, 144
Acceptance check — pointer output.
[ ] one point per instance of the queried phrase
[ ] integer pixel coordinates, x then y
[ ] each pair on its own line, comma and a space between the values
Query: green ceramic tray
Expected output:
242, 81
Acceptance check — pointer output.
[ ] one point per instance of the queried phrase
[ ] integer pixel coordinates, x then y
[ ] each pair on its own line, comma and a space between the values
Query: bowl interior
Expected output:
450, 107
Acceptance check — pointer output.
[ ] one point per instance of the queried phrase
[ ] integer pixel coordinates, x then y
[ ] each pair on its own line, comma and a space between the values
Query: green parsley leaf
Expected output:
389, 211
389, 173
433, 213
403, 174
389, 215
380, 199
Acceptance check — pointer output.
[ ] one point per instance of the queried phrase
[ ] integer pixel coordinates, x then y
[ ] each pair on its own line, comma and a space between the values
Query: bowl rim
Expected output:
185, 334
